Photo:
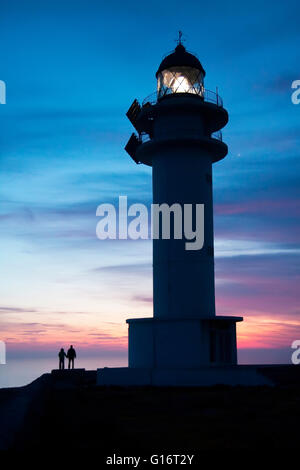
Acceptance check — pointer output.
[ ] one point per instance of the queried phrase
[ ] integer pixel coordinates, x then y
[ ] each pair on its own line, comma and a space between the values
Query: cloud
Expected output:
9, 310
143, 298
265, 265
281, 207
45, 351
277, 85
15, 310
259, 286
55, 333
125, 268
264, 355
104, 336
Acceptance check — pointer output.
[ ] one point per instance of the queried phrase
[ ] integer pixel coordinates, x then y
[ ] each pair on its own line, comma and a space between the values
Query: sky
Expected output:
72, 69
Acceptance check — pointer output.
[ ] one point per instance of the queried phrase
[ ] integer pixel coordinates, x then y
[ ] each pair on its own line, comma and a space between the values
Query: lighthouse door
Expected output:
220, 343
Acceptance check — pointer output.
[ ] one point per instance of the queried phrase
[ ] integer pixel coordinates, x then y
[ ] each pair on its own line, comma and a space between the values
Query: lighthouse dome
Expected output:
180, 57
180, 72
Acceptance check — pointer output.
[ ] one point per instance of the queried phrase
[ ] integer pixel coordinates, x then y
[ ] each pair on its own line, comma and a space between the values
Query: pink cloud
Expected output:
283, 207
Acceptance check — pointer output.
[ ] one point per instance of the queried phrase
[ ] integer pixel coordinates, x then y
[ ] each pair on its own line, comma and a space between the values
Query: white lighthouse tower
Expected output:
179, 136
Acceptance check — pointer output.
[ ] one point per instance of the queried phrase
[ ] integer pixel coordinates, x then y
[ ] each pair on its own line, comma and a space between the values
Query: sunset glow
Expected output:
63, 132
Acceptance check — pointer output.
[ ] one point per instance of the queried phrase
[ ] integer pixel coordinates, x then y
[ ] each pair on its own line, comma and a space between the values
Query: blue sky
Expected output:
72, 70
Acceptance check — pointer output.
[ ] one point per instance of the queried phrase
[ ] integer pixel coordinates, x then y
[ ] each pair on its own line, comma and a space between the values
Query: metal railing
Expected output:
213, 97
144, 137
206, 95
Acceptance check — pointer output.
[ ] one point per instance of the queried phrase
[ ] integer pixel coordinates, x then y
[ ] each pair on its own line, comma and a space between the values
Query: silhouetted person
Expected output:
71, 356
62, 356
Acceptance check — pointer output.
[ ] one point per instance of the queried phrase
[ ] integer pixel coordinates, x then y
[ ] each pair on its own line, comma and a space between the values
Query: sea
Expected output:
22, 371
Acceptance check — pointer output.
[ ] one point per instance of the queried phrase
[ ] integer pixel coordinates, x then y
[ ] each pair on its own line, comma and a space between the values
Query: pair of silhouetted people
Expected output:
71, 354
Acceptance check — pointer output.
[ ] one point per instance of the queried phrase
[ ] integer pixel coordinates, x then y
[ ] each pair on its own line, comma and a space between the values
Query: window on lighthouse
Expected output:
180, 79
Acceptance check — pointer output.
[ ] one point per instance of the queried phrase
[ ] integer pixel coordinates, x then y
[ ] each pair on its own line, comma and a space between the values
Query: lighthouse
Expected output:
178, 134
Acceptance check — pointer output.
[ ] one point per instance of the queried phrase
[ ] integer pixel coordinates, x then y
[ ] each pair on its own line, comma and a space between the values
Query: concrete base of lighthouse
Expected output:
176, 352
182, 343
205, 376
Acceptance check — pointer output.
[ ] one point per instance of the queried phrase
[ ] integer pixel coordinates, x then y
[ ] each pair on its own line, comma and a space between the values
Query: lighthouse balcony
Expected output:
204, 94
191, 107
141, 147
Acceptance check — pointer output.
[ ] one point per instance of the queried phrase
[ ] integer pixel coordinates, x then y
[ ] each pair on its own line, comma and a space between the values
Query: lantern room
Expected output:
180, 72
